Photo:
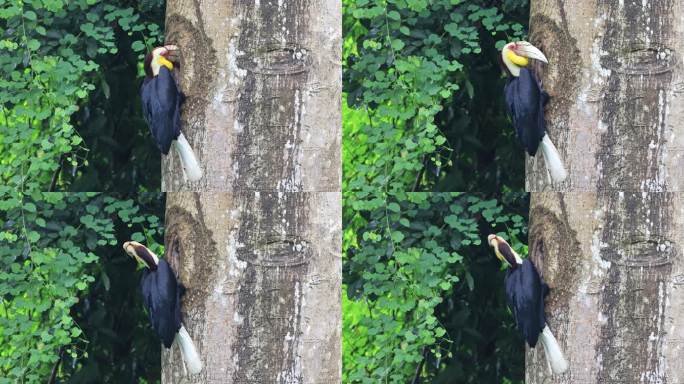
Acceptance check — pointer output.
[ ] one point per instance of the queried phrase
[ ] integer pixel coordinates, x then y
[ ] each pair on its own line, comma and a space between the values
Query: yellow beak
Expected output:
518, 54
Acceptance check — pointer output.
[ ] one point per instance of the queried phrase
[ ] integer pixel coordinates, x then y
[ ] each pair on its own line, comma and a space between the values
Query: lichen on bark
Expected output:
263, 85
614, 73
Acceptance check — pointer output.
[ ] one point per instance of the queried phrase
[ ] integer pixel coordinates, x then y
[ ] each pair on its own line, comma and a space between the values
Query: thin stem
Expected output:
55, 176
55, 368
419, 368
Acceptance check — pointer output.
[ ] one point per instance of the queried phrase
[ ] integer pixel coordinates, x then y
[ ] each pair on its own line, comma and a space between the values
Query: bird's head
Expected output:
503, 251
142, 254
516, 55
160, 56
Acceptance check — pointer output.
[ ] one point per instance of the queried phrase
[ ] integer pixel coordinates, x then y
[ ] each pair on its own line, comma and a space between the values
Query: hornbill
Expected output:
525, 293
525, 100
161, 294
161, 102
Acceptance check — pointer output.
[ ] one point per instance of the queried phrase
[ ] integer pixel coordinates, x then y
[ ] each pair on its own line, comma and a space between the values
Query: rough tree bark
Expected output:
617, 85
607, 241
263, 272
615, 269
263, 85
259, 246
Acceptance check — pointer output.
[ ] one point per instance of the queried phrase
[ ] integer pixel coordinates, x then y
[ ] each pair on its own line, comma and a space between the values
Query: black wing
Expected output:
162, 299
146, 98
525, 104
525, 294
161, 102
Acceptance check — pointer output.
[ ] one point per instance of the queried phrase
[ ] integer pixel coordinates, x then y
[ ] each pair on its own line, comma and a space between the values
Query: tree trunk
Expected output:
615, 78
607, 244
615, 269
263, 85
263, 273
259, 247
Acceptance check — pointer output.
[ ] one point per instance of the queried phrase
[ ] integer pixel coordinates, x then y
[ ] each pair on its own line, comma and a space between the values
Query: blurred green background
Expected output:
425, 301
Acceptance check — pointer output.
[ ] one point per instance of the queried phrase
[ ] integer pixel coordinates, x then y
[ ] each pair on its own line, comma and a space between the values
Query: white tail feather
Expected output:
188, 351
552, 159
187, 157
554, 355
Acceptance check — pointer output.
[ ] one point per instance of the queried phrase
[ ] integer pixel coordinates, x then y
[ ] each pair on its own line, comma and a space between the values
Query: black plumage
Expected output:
161, 294
525, 292
525, 101
161, 102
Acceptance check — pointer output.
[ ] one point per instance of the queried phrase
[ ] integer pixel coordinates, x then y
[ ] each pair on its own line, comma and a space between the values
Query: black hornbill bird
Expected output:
161, 102
525, 292
525, 100
161, 294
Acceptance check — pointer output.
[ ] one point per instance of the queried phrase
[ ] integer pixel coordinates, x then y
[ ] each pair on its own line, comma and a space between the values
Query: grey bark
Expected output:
263, 81
616, 80
258, 247
614, 264
607, 241
263, 273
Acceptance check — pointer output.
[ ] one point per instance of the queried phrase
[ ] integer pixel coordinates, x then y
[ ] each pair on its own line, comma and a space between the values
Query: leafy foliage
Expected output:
49, 252
49, 53
424, 112
70, 120
424, 93
409, 274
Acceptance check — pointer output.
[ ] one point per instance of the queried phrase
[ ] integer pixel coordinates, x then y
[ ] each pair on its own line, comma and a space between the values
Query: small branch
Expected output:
419, 176
55, 175
416, 377
55, 368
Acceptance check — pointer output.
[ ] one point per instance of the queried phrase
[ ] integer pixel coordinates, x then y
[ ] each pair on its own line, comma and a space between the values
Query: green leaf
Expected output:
394, 207
29, 207
30, 15
397, 236
33, 236
138, 46
397, 44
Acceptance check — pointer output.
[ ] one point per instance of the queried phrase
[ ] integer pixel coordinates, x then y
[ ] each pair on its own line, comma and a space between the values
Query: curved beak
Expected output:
141, 254
524, 48
129, 248
490, 238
